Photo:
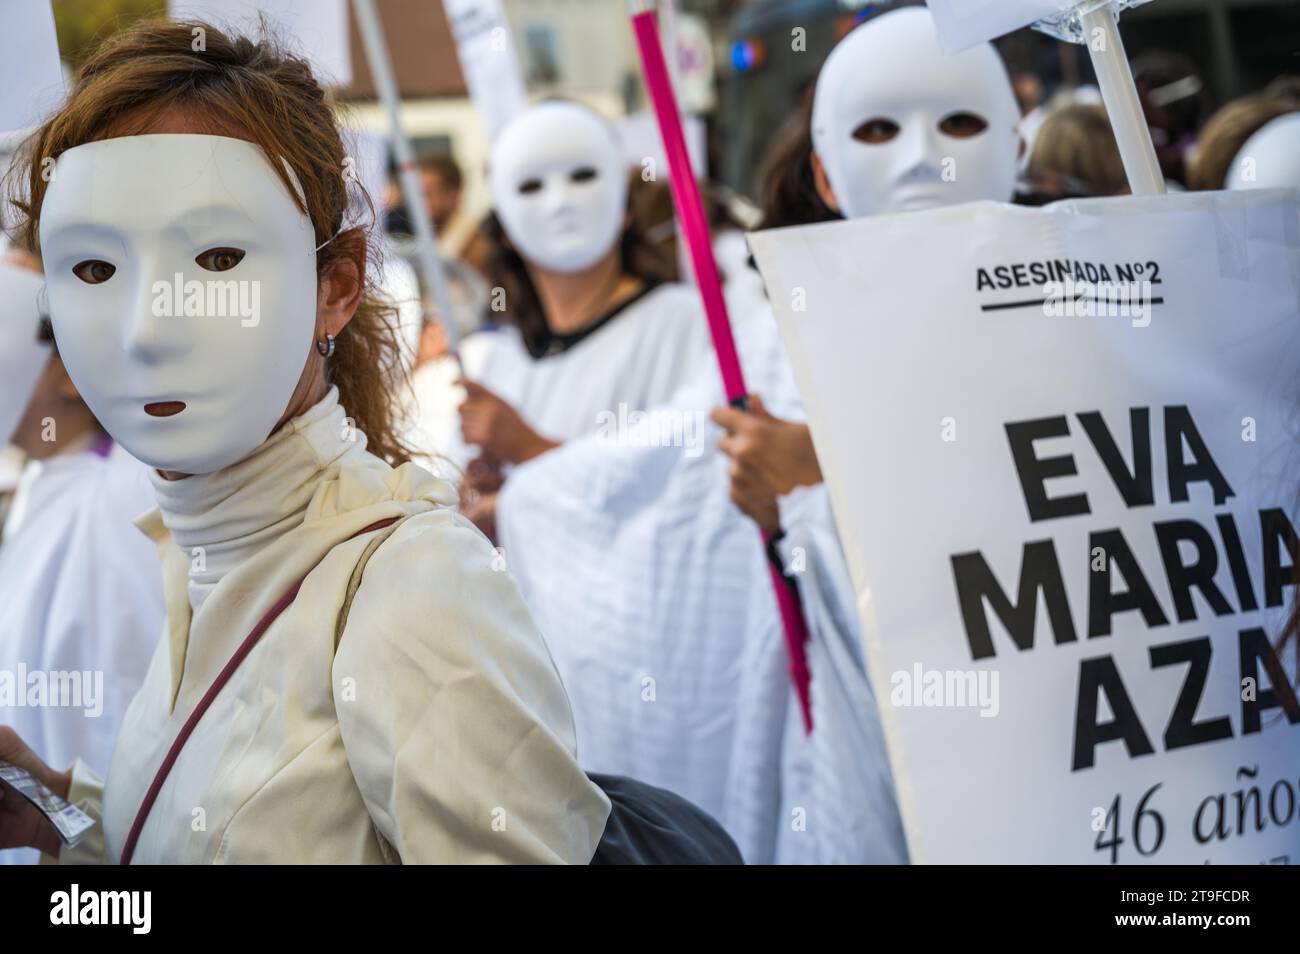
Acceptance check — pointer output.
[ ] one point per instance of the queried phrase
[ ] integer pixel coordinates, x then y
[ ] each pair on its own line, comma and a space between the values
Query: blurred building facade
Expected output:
745, 65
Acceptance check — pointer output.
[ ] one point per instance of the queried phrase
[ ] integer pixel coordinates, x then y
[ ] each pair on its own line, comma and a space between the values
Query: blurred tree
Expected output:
83, 24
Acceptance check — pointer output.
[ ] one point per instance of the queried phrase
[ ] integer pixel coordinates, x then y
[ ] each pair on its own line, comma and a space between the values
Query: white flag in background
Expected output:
315, 29
963, 23
487, 60
31, 77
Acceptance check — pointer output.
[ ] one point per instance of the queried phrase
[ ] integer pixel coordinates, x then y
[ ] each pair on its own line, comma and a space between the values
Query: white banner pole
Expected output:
1119, 92
426, 239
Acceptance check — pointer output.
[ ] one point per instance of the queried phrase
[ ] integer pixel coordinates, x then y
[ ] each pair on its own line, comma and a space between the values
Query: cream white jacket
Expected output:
438, 732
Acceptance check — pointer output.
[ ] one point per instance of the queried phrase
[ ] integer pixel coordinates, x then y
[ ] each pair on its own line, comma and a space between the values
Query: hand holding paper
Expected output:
33, 810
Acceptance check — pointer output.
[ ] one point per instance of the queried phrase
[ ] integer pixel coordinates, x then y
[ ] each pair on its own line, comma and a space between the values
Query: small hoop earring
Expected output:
326, 347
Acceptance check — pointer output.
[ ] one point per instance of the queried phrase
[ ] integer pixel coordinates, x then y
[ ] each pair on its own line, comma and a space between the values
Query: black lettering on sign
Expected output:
1255, 648
1103, 602
1136, 487
1179, 427
1034, 471
1276, 528
1198, 574
1183, 729
1098, 676
1040, 571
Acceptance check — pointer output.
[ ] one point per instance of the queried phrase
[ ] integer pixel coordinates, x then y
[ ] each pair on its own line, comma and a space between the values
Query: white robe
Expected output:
80, 590
638, 567
638, 359
437, 729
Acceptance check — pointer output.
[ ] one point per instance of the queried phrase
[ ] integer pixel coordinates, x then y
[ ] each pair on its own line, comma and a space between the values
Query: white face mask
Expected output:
1270, 158
898, 125
559, 185
22, 356
179, 269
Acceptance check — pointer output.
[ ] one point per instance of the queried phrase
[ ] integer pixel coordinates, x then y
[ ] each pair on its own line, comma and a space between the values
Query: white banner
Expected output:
365, 168
963, 23
1062, 449
488, 60
643, 146
31, 77
317, 30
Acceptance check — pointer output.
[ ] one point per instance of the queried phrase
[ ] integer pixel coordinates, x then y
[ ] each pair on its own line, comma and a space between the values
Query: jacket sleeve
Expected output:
454, 719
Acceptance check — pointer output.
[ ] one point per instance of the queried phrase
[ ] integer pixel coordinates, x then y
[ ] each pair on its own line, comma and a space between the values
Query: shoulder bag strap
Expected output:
223, 677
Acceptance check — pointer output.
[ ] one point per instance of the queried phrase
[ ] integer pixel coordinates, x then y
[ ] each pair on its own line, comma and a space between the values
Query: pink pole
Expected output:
690, 214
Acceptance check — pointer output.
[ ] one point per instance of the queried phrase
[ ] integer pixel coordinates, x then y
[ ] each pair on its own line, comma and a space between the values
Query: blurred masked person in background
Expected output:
1176, 103
896, 126
81, 604
441, 180
594, 329
892, 113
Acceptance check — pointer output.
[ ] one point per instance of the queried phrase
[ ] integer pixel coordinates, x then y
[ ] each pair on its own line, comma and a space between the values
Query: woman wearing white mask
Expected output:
896, 126
913, 129
217, 320
595, 330
899, 126
80, 594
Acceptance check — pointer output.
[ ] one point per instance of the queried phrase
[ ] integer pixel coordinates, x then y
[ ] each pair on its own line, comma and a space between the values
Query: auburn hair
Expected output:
787, 186
250, 89
1075, 153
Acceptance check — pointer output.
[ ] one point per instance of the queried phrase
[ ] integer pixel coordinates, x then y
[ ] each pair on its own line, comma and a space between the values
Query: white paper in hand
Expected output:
31, 78
68, 820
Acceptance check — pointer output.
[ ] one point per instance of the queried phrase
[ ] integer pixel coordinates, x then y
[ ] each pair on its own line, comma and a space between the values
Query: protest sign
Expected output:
1061, 446
488, 60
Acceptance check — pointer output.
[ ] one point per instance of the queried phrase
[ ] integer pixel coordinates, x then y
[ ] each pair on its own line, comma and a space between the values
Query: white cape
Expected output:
80, 591
653, 593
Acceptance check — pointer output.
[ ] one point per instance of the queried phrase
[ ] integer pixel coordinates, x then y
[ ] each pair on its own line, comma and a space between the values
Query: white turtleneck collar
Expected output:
221, 519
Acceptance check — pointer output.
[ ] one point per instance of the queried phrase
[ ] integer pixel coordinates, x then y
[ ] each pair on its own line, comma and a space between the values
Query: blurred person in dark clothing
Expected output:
1176, 104
441, 180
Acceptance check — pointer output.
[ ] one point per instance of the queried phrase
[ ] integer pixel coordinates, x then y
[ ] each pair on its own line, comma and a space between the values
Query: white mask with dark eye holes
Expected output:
899, 125
23, 356
1270, 159
559, 184
182, 287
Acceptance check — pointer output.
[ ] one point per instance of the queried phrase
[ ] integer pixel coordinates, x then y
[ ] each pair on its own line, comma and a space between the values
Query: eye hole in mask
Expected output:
530, 186
221, 259
963, 125
94, 271
584, 174
876, 131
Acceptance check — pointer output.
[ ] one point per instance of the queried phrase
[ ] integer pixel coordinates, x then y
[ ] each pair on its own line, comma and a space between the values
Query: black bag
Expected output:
646, 826
652, 826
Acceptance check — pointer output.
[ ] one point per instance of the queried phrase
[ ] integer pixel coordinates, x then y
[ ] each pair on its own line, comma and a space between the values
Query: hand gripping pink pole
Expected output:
694, 225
